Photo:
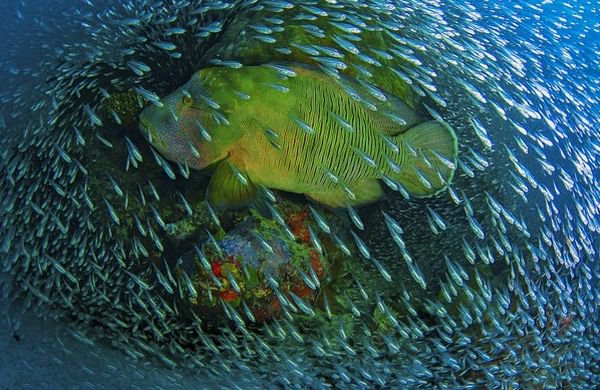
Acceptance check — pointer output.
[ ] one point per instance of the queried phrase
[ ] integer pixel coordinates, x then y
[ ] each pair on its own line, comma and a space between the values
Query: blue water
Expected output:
535, 69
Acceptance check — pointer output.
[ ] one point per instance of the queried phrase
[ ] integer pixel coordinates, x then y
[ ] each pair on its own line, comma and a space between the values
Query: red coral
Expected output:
216, 269
275, 305
228, 295
303, 291
316, 264
298, 225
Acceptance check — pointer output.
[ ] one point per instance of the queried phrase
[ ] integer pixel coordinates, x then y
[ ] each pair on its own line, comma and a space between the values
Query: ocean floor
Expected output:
32, 357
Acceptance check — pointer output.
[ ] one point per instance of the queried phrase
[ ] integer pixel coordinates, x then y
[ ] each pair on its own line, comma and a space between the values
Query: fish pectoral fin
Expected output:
230, 187
361, 193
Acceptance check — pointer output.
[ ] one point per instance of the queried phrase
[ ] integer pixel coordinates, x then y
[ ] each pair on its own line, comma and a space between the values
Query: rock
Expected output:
254, 267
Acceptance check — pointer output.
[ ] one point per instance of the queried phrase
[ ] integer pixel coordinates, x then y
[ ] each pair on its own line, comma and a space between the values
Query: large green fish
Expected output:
296, 129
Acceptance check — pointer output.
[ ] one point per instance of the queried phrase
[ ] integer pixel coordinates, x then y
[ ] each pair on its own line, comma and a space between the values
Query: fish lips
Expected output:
147, 130
152, 136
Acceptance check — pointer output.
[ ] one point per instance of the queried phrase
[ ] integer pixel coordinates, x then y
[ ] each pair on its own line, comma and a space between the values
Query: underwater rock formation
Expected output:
255, 270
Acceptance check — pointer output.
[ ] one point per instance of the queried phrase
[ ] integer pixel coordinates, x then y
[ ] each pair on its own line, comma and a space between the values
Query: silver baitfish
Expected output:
486, 278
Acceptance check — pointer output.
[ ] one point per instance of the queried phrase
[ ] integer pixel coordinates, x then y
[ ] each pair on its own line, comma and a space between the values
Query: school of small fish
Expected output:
492, 283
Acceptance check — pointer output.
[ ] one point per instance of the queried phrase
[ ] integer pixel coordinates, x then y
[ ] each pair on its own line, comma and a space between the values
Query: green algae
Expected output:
125, 105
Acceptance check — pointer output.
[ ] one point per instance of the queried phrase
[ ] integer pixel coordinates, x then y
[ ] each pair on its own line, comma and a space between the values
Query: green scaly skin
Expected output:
265, 142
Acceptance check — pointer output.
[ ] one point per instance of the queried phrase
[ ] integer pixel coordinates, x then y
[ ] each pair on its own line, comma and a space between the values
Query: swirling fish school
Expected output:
490, 282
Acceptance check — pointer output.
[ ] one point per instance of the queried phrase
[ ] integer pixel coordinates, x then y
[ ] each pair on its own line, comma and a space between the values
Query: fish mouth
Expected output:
143, 123
152, 136
146, 130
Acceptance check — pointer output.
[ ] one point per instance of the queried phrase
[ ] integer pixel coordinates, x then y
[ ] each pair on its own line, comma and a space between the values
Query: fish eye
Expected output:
187, 100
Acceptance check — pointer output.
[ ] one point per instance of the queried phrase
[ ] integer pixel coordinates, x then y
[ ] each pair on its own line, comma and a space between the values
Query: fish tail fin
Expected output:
430, 152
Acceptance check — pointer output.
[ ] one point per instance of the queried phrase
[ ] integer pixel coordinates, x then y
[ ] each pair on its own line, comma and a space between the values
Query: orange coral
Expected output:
228, 295
298, 225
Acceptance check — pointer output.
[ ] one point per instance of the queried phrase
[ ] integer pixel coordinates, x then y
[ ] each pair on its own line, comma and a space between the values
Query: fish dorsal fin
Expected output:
230, 187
